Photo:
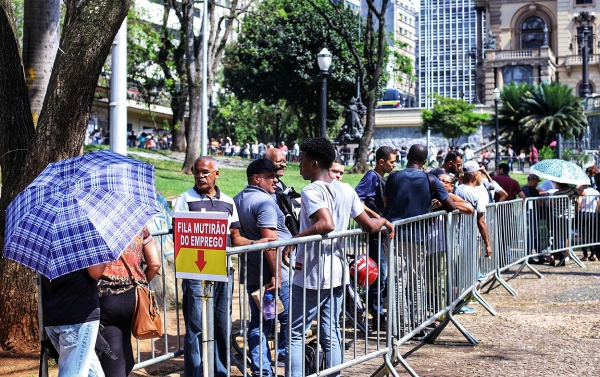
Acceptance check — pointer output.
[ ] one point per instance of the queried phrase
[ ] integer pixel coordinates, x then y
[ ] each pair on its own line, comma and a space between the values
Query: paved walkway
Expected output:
552, 327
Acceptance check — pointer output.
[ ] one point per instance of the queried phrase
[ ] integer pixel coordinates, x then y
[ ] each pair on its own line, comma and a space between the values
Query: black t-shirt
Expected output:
530, 192
70, 299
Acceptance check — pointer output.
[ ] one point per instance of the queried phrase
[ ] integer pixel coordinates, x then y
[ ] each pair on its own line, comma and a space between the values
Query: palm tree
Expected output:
536, 113
511, 112
553, 109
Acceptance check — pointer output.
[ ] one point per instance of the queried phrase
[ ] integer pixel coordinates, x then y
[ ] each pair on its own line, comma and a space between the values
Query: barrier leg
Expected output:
484, 303
575, 258
531, 268
464, 331
503, 283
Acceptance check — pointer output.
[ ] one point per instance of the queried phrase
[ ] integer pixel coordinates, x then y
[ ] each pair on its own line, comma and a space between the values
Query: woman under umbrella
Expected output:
117, 300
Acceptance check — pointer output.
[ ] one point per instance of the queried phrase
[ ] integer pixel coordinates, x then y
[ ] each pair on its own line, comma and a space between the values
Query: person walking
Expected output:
71, 317
117, 294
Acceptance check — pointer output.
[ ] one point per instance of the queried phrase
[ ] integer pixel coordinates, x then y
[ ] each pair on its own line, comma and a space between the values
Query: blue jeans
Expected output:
192, 316
377, 290
283, 318
75, 345
303, 314
257, 341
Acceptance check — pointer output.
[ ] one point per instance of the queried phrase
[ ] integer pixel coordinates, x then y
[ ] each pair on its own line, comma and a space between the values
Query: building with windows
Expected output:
402, 18
447, 58
541, 41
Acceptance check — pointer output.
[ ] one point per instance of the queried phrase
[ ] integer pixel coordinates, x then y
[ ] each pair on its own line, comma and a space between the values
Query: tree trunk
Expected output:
178, 107
40, 42
87, 35
179, 96
193, 130
17, 299
361, 166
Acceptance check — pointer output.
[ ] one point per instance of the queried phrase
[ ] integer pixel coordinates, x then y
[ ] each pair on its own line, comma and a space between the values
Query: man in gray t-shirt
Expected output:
319, 278
260, 218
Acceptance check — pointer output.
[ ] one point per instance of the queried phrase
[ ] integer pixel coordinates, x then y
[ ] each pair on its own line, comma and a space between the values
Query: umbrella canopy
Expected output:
560, 171
80, 212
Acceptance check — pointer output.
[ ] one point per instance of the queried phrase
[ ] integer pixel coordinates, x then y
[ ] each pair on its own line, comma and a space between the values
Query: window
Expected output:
581, 2
518, 74
532, 33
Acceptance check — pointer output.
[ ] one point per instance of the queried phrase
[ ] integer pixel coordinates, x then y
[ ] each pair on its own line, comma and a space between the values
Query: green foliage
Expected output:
546, 152
452, 118
18, 12
536, 113
144, 43
275, 58
244, 120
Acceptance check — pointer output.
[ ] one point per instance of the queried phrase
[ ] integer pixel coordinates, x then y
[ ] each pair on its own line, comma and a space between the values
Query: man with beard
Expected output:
452, 164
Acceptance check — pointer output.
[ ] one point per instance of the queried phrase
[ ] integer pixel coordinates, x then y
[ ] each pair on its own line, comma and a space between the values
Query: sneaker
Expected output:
466, 310
281, 361
593, 258
422, 335
481, 276
378, 320
584, 259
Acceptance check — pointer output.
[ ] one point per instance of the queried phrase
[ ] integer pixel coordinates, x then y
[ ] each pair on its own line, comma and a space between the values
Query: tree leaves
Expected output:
451, 117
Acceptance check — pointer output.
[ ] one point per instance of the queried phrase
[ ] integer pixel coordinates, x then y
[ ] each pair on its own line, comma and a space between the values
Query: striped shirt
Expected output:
192, 200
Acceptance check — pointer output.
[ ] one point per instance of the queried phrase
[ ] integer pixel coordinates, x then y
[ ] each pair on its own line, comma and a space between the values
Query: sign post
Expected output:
200, 254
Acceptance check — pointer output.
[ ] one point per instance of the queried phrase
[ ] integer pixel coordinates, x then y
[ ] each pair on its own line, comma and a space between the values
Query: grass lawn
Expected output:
171, 182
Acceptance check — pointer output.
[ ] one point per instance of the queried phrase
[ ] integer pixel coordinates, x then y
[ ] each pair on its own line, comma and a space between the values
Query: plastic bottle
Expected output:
269, 306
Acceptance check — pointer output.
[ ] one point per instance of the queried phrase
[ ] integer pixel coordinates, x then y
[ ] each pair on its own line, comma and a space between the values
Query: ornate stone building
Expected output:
536, 41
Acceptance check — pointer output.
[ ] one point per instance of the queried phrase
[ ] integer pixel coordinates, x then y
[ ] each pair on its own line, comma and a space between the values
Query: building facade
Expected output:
540, 41
404, 20
447, 58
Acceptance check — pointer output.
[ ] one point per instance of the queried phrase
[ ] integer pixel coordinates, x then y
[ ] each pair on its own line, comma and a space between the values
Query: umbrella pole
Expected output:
208, 335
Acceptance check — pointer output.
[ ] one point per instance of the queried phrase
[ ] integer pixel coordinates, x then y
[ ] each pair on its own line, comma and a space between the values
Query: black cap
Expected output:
260, 166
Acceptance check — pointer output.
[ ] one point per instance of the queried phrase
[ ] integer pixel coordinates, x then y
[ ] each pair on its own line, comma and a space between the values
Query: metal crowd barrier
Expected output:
436, 262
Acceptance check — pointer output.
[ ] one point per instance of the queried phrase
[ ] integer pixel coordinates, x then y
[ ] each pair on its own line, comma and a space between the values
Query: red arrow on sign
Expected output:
201, 263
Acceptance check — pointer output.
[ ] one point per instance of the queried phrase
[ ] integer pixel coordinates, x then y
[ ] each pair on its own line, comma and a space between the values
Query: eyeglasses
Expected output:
449, 182
203, 174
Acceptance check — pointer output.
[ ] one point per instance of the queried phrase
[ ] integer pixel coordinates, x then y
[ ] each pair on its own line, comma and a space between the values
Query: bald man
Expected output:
277, 157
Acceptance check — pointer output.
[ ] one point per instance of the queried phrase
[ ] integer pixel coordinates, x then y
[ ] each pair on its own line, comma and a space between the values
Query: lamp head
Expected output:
496, 94
324, 59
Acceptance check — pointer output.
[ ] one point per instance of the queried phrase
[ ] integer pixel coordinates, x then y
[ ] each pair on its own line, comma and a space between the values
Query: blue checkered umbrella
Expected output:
560, 171
80, 212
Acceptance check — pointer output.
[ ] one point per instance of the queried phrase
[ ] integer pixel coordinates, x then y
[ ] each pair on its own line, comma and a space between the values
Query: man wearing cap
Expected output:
261, 218
509, 185
478, 199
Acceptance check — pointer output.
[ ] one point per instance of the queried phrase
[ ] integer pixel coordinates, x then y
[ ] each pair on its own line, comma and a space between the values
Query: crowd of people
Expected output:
316, 280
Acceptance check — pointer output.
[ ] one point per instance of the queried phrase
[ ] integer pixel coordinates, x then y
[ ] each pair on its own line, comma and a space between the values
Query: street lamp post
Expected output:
277, 117
324, 60
497, 154
584, 19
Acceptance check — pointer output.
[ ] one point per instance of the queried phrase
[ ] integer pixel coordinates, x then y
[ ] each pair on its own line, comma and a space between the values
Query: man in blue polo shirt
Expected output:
260, 217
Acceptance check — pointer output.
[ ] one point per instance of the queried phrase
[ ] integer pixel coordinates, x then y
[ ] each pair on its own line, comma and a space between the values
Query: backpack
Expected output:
288, 201
314, 357
370, 202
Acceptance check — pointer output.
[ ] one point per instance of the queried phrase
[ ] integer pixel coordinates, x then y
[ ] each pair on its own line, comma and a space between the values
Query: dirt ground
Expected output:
552, 327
